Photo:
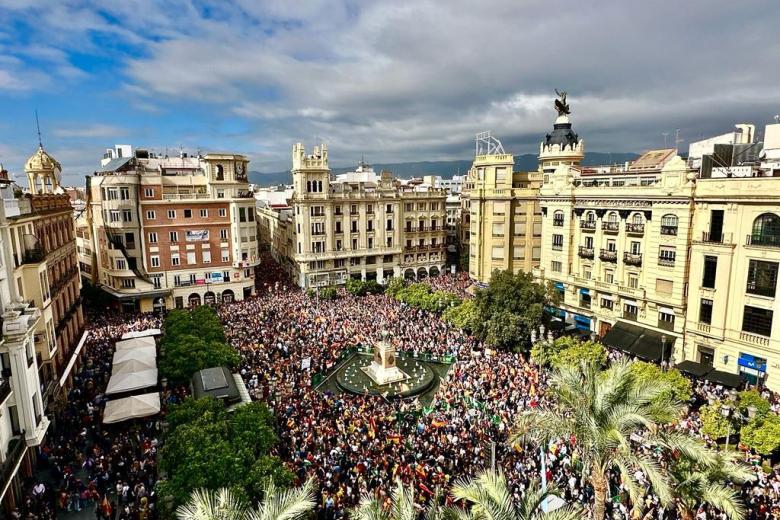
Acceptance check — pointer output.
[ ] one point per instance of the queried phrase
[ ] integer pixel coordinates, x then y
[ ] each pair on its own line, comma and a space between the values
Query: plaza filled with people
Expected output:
354, 445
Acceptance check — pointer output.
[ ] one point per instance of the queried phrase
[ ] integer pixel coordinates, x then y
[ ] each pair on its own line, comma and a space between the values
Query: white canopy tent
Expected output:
131, 407
146, 341
133, 381
133, 365
141, 333
140, 353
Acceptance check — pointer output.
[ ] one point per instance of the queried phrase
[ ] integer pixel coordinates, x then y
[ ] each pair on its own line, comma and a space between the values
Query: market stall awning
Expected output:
693, 368
133, 365
142, 353
120, 383
724, 378
145, 341
621, 336
141, 333
131, 407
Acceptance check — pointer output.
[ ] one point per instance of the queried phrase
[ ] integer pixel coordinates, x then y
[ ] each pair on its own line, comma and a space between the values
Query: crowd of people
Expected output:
352, 444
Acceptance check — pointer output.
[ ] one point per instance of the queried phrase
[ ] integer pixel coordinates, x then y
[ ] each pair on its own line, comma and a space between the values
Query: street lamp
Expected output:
725, 410
663, 349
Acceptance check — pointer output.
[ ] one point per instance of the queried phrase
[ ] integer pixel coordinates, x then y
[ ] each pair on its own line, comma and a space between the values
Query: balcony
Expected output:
668, 230
16, 449
632, 259
666, 325
588, 225
557, 247
607, 255
754, 339
760, 290
558, 222
703, 327
610, 227
629, 315
763, 240
635, 229
585, 304
586, 252
665, 261
33, 256
716, 238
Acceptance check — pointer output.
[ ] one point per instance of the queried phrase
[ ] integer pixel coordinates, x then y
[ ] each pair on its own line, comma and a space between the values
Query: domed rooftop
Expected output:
562, 134
41, 161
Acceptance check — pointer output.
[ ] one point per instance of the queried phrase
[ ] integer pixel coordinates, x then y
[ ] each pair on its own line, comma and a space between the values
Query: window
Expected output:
500, 174
187, 213
536, 253
557, 242
710, 269
499, 208
127, 215
636, 248
153, 237
148, 192
339, 245
606, 303
370, 242
222, 212
665, 320
220, 194
173, 236
175, 259
354, 227
191, 257
225, 255
155, 261
611, 245
206, 254
128, 283
666, 256
389, 225
171, 213
762, 278
633, 281
157, 281
121, 264
757, 321
556, 266
587, 274
112, 193
612, 218
124, 193
766, 230
498, 229
664, 287
558, 218
370, 225
589, 242
225, 276
420, 206
609, 276
151, 215
669, 224
250, 215
113, 215
354, 244
204, 213
537, 229
220, 174
223, 234
130, 240
497, 253
518, 252
337, 210
705, 311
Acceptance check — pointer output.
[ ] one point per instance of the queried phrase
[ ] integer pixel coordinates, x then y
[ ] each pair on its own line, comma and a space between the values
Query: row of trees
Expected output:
421, 296
193, 340
208, 447
749, 415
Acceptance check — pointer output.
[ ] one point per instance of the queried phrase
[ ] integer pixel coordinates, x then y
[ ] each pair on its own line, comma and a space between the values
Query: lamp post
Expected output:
663, 350
725, 410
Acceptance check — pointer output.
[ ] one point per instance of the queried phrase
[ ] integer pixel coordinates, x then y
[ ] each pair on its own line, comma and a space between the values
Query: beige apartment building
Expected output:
735, 254
501, 223
359, 225
170, 232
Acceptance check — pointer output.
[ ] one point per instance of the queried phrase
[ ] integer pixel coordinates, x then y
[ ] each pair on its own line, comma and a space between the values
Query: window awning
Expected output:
724, 378
607, 297
666, 310
693, 368
585, 292
559, 285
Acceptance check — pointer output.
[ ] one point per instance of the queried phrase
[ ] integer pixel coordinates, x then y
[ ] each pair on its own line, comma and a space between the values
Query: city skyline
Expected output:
396, 82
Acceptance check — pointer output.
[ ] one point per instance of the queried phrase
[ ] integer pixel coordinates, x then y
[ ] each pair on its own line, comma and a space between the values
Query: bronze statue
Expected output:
560, 104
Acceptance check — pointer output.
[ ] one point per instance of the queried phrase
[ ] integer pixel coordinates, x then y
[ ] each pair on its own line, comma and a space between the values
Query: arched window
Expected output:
669, 224
766, 230
636, 218
220, 173
558, 218
612, 217
590, 216
308, 186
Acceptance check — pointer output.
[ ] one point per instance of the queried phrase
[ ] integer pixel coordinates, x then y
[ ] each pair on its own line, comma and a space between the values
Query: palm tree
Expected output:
490, 499
402, 507
223, 504
697, 484
600, 410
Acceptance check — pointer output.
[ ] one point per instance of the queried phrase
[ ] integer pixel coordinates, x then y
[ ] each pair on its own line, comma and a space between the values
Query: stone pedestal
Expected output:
382, 369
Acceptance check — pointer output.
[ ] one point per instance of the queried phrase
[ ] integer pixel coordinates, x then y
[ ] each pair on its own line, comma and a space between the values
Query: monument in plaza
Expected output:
383, 370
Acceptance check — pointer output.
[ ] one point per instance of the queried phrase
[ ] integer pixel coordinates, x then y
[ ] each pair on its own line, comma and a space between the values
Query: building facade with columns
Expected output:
360, 225
735, 257
23, 423
170, 232
501, 222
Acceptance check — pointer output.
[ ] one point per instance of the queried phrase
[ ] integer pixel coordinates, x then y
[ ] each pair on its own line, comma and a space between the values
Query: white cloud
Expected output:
99, 130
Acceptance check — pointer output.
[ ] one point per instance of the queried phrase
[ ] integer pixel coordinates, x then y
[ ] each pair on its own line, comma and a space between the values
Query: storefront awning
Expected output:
693, 368
126, 344
638, 341
141, 353
133, 365
141, 333
724, 378
621, 336
120, 383
131, 407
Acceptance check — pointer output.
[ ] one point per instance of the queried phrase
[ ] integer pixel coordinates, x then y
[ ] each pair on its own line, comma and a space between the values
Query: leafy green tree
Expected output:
587, 351
394, 286
192, 409
224, 504
510, 294
748, 398
463, 316
601, 410
763, 435
713, 424
488, 497
679, 385
696, 483
362, 288
329, 293
188, 353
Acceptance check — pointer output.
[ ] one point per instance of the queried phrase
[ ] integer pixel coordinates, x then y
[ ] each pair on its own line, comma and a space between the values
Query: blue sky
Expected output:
393, 80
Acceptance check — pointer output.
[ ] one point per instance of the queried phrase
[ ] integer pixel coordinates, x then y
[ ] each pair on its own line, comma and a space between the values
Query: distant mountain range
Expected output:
445, 169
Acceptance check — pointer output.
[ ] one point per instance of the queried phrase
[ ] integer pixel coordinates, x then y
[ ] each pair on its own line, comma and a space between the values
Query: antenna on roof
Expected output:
677, 139
665, 134
38, 126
